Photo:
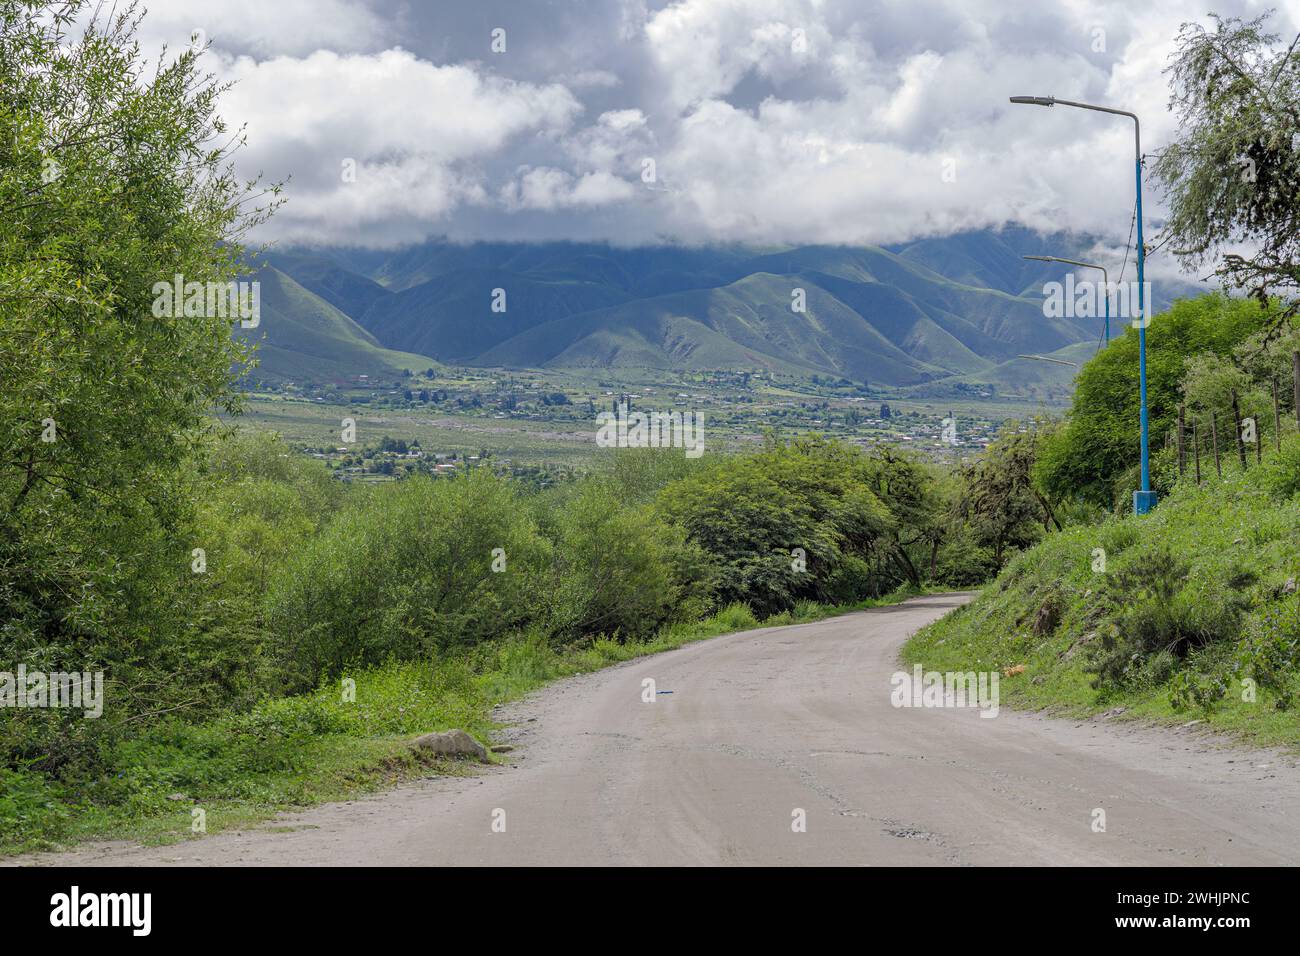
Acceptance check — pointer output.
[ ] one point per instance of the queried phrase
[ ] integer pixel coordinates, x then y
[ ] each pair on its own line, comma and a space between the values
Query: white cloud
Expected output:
268, 27
547, 188
768, 120
412, 131
388, 102
703, 48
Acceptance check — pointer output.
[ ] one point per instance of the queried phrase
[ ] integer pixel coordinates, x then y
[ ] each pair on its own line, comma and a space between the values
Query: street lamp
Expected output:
1105, 280
1145, 499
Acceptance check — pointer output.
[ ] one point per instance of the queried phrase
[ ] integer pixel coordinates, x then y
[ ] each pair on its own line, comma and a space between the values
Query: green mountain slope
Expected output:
748, 324
906, 329
348, 292
303, 337
451, 316
958, 309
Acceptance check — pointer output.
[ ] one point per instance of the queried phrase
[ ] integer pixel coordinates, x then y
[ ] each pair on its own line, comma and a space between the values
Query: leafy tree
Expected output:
1232, 175
1099, 440
915, 504
782, 524
112, 178
998, 498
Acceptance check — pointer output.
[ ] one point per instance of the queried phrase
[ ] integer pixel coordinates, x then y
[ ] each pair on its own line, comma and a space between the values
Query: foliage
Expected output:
1099, 440
781, 524
998, 498
1270, 651
1188, 607
617, 570
1160, 611
405, 571
1232, 175
1282, 472
109, 183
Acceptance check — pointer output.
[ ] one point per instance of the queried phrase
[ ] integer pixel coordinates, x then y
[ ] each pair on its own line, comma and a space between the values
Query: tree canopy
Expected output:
1232, 175
114, 176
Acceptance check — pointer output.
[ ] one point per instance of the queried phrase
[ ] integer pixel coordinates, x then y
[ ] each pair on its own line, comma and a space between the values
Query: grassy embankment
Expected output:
1196, 604
299, 751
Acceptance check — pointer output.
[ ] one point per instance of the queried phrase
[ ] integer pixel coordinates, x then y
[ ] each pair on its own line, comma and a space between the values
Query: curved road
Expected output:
763, 723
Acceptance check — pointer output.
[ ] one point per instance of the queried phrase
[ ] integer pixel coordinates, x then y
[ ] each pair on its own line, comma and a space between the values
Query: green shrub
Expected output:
1282, 470
406, 572
1270, 651
618, 568
848, 582
781, 524
1159, 608
29, 803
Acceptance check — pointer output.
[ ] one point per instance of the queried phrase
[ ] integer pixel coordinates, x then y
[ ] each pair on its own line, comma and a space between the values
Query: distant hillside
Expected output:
946, 312
451, 316
347, 291
303, 337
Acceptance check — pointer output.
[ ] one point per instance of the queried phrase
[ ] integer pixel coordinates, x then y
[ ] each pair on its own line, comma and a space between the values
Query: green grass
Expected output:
1205, 575
300, 751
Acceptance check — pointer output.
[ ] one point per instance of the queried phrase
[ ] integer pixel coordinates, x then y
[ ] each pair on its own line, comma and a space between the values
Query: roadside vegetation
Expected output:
242, 765
1195, 617
1190, 613
436, 599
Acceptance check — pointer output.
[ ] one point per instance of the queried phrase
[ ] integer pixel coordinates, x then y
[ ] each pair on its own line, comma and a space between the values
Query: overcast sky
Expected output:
769, 121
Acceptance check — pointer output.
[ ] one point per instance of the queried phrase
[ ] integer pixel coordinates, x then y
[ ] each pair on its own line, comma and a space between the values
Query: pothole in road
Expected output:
909, 833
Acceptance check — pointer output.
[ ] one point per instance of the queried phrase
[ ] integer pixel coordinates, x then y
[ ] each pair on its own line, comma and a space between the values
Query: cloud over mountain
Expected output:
806, 121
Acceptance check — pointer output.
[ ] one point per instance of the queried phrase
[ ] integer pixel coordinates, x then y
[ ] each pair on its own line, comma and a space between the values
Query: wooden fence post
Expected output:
1196, 450
1214, 439
1295, 378
1182, 453
1277, 418
1236, 424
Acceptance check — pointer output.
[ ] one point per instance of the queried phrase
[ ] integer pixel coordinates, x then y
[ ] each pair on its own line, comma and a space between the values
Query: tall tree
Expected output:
998, 498
1233, 174
114, 177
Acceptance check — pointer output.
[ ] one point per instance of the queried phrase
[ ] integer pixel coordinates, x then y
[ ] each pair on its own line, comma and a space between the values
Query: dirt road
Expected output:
748, 729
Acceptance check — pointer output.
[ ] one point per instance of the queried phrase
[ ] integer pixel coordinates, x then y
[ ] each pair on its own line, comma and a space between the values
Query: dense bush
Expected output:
792, 522
406, 571
1282, 471
616, 569
1160, 610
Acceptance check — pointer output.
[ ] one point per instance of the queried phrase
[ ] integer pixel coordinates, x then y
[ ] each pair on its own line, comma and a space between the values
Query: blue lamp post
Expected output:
1144, 499
1105, 280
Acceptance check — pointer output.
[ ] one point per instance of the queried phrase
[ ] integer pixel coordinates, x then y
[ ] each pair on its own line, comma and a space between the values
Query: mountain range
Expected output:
954, 309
